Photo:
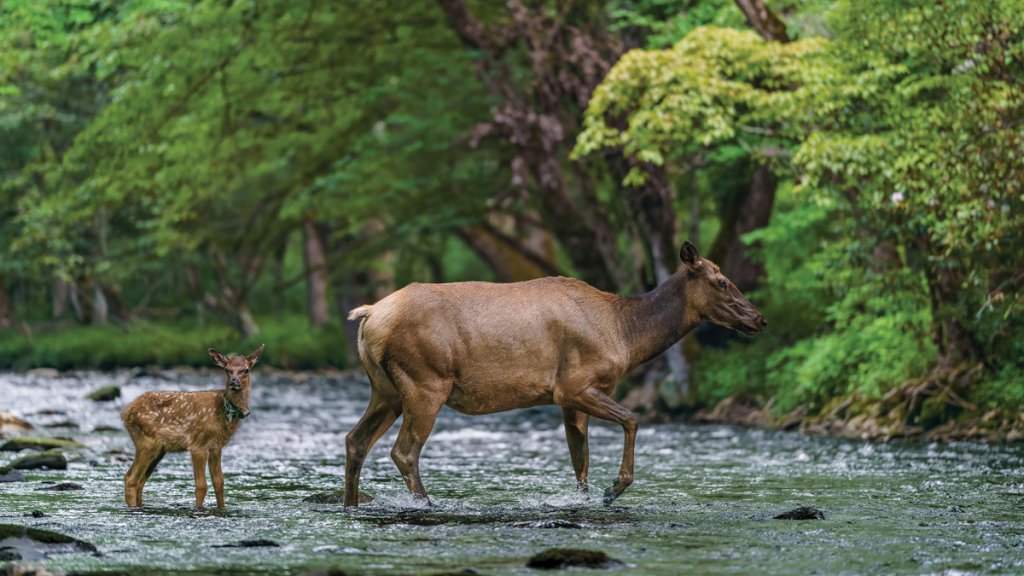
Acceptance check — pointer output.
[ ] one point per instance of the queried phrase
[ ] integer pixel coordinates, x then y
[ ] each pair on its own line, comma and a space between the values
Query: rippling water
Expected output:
503, 489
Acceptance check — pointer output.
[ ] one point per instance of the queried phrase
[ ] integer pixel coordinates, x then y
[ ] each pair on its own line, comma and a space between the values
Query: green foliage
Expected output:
291, 344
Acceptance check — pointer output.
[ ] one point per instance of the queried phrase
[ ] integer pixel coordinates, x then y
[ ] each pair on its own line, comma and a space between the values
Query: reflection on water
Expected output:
503, 489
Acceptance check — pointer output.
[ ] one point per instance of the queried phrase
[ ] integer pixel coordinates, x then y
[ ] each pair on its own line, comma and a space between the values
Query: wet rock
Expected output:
549, 523
257, 543
63, 424
62, 487
335, 497
43, 373
463, 572
11, 424
567, 557
8, 474
801, 513
37, 443
35, 514
105, 394
51, 459
24, 543
106, 428
51, 412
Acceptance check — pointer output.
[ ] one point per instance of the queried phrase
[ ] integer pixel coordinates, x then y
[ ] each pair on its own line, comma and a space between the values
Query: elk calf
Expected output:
199, 422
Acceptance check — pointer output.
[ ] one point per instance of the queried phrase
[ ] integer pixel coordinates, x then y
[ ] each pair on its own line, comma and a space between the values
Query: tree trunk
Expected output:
76, 303
245, 323
762, 19
60, 298
6, 313
510, 259
100, 306
317, 285
745, 211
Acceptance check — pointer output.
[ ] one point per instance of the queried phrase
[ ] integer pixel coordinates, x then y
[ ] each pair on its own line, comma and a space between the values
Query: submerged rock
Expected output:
336, 497
801, 513
37, 443
105, 394
549, 523
567, 557
62, 487
8, 474
51, 459
257, 543
24, 543
107, 428
35, 514
327, 572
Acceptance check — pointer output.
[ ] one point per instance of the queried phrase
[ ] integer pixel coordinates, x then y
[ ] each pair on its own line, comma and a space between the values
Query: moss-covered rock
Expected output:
44, 542
554, 558
38, 443
51, 459
105, 394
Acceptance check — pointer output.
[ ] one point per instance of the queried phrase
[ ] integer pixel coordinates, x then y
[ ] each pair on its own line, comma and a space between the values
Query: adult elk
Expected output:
482, 348
199, 422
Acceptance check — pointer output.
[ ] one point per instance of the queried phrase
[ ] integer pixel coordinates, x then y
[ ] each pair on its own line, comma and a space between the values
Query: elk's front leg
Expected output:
217, 476
596, 403
576, 426
199, 458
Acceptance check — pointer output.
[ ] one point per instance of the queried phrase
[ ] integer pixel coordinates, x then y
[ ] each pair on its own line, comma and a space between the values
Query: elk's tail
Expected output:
360, 312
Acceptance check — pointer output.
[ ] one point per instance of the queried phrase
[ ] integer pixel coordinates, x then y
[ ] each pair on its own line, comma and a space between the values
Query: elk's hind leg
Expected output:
576, 427
597, 404
146, 459
422, 399
379, 416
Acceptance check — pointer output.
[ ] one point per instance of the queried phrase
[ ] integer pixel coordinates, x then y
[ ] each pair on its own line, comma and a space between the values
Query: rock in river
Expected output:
62, 487
11, 424
37, 443
258, 543
105, 394
51, 459
32, 544
566, 557
8, 474
801, 513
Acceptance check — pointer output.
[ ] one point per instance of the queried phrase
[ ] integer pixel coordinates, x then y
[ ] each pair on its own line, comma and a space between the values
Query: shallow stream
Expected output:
503, 490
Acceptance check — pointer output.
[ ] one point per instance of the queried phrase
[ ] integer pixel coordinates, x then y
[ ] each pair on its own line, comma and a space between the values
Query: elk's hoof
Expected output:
611, 494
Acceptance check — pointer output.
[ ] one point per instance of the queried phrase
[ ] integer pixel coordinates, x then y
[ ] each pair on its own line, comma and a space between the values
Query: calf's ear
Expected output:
255, 356
218, 358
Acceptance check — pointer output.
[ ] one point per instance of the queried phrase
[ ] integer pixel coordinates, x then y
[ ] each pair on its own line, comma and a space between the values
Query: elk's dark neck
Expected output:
653, 322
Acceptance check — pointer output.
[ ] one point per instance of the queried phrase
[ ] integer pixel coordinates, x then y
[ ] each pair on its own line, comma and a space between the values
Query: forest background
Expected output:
180, 174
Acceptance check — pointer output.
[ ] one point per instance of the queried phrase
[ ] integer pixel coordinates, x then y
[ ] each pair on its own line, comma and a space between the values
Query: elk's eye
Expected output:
246, 371
721, 283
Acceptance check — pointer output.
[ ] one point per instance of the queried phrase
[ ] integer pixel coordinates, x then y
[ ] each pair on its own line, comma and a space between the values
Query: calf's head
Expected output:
714, 297
237, 381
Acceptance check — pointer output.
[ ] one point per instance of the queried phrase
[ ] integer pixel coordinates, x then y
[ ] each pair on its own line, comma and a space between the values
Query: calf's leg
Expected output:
199, 458
217, 476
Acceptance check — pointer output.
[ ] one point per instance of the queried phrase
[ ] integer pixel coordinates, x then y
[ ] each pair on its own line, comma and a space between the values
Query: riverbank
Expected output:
874, 420
291, 344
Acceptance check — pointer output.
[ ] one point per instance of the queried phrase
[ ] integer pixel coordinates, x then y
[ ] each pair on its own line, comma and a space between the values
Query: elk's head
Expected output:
714, 297
236, 377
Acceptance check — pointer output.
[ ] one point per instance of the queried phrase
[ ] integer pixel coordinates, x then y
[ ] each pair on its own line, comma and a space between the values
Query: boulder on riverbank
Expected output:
37, 443
555, 558
105, 394
24, 543
50, 459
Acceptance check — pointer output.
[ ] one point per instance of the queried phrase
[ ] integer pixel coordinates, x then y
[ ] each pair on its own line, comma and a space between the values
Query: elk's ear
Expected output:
255, 356
218, 358
689, 255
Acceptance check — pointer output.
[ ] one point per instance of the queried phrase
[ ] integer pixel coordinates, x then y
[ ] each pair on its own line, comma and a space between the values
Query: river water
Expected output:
503, 490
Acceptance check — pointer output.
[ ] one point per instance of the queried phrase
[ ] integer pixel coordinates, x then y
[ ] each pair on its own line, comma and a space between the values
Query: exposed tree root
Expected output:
932, 408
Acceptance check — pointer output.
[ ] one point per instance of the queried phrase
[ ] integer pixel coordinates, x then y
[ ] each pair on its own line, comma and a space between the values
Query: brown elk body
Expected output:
482, 348
201, 423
